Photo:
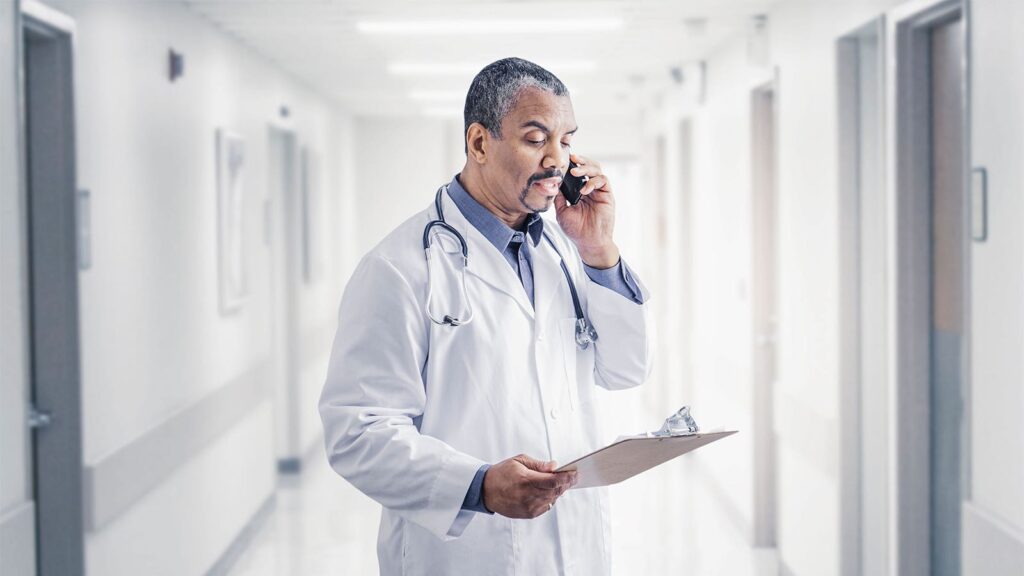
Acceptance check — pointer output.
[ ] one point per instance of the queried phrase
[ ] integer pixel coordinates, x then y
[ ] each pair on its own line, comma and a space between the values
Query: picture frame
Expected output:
232, 275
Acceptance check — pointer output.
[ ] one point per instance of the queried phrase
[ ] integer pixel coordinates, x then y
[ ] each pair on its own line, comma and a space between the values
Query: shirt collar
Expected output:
497, 232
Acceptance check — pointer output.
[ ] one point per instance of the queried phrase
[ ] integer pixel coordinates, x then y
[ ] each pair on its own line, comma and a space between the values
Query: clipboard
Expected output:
628, 457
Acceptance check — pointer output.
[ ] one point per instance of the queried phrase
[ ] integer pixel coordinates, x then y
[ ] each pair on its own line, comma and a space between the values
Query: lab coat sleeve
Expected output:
622, 351
373, 398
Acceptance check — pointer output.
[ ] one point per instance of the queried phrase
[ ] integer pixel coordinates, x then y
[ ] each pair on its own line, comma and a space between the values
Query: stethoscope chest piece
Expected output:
585, 334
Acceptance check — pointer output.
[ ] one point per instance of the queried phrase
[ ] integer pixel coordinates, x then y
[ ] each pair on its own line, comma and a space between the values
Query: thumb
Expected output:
537, 465
560, 201
560, 204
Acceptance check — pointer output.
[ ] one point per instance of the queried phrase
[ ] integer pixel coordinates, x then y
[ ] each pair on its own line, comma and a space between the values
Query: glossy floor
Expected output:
665, 522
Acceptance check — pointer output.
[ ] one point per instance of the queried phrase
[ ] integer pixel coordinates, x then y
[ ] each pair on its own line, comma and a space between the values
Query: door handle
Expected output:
39, 418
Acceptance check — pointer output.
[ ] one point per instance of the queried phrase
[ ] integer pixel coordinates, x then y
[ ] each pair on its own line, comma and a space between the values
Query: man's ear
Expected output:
477, 142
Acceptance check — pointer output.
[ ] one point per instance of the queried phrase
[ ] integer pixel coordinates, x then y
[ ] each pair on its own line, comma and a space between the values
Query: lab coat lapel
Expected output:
548, 279
485, 262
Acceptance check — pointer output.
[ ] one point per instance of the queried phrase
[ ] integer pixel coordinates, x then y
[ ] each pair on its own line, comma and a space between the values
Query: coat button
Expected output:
540, 336
555, 413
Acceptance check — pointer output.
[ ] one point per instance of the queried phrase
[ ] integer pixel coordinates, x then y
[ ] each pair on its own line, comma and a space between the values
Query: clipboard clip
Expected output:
678, 424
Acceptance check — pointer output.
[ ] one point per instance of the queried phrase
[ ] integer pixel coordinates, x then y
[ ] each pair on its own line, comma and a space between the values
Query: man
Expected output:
454, 428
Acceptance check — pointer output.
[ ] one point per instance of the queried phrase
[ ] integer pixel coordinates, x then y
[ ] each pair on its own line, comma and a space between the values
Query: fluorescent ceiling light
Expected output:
442, 111
447, 97
462, 27
436, 95
463, 68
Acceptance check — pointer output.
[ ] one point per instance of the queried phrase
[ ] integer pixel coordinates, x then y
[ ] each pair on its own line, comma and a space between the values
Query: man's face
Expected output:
527, 164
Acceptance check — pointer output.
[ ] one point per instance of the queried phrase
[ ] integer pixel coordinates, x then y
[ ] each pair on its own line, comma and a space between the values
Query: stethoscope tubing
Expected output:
585, 334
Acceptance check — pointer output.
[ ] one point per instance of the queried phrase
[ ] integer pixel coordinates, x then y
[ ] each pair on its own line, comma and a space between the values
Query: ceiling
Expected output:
628, 50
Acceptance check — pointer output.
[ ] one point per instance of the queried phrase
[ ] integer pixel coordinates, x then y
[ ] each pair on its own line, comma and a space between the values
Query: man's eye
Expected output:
536, 141
566, 144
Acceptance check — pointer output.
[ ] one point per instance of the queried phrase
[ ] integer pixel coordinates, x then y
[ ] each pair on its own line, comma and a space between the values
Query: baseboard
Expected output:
17, 541
991, 545
241, 542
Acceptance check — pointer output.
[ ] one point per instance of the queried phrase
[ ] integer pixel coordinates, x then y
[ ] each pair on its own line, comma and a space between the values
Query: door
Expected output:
55, 385
929, 194
765, 216
947, 306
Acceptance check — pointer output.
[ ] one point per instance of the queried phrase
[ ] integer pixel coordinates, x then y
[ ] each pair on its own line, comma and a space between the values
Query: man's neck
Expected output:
477, 187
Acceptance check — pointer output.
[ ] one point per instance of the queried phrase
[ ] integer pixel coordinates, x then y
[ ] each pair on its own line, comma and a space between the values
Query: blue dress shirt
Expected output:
513, 245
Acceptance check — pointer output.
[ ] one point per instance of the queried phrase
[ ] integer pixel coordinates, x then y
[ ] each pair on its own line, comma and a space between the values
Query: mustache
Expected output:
554, 173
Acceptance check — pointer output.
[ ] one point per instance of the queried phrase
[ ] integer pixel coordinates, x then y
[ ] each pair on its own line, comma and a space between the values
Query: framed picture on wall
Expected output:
312, 216
231, 272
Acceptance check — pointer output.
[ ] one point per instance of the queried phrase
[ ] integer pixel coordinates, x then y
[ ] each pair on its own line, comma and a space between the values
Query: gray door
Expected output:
947, 273
53, 295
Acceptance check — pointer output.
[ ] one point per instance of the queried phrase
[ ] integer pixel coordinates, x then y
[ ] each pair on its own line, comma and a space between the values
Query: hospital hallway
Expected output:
823, 201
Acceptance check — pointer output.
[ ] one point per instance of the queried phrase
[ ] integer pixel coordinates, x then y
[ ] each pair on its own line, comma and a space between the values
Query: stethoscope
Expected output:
585, 332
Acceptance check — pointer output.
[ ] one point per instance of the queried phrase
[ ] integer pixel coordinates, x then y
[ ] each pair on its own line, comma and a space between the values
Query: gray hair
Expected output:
496, 88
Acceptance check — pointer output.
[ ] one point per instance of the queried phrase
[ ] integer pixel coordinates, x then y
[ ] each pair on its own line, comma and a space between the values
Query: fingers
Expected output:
584, 166
599, 182
551, 482
524, 487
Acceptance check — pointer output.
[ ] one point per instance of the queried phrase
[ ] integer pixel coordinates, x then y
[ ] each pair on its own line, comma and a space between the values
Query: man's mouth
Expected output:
549, 185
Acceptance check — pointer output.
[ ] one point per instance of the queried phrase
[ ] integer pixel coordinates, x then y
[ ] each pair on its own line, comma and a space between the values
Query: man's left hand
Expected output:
591, 221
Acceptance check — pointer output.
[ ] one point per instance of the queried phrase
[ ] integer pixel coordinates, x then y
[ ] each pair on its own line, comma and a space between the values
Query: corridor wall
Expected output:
993, 516
800, 59
807, 404
178, 427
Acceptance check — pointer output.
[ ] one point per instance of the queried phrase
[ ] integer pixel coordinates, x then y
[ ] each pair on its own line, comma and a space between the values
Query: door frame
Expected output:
909, 272
53, 260
282, 220
860, 538
764, 212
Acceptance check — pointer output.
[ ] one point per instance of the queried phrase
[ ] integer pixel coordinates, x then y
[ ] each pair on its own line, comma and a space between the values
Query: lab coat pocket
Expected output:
570, 398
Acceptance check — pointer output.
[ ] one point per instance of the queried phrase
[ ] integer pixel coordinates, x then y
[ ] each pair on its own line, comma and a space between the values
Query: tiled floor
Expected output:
665, 522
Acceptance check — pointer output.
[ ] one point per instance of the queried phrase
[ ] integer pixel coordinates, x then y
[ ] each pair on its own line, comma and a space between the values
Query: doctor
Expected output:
456, 429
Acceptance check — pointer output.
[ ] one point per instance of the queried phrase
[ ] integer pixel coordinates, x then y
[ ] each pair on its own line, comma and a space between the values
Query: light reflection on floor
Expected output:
664, 522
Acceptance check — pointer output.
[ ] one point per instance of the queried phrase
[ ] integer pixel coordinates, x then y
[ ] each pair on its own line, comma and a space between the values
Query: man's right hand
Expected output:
522, 487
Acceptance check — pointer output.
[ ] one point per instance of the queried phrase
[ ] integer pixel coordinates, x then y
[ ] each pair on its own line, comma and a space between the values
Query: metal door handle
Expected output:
38, 418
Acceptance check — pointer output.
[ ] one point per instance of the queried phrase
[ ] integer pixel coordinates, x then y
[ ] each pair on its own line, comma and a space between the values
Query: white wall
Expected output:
16, 513
153, 340
803, 46
802, 53
994, 517
399, 164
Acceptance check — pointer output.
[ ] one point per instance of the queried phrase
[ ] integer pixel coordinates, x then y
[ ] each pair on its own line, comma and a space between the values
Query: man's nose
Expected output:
557, 157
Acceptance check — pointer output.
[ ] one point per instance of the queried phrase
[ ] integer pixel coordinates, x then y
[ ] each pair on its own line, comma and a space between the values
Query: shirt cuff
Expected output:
618, 278
474, 501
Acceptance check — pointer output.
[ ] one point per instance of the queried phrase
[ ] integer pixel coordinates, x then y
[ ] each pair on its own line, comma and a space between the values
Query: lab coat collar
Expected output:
485, 261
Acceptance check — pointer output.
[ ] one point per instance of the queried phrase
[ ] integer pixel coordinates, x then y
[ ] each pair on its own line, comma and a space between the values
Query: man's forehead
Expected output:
535, 106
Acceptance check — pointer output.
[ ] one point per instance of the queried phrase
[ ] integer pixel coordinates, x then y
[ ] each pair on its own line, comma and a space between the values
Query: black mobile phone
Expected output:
571, 185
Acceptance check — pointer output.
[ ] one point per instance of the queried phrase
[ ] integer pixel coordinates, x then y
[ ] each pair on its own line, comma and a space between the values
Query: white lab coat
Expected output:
412, 409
